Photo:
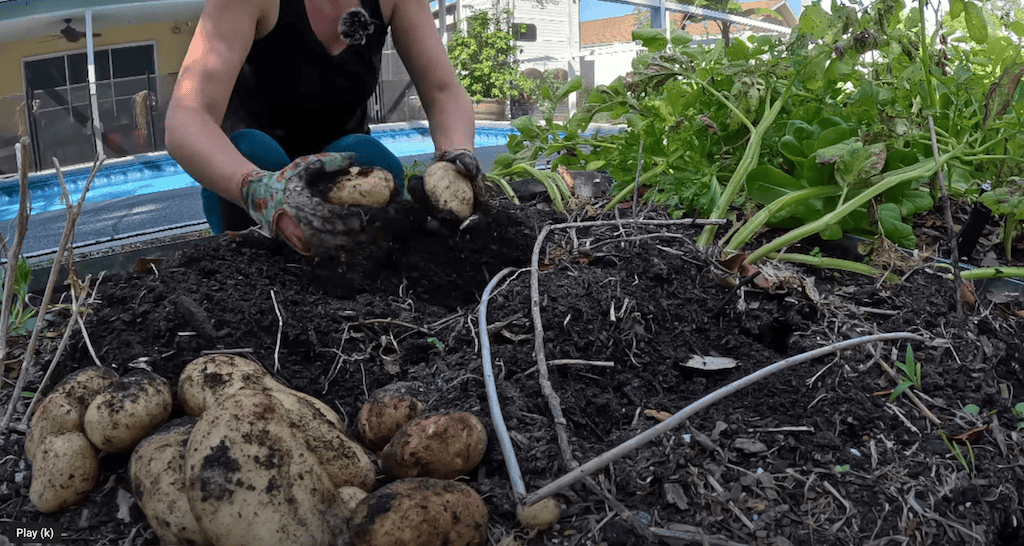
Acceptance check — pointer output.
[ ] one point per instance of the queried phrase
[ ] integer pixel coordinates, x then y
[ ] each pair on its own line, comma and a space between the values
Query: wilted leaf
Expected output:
1001, 92
657, 414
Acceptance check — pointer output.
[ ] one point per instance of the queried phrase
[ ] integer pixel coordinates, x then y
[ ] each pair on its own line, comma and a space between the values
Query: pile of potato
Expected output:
254, 462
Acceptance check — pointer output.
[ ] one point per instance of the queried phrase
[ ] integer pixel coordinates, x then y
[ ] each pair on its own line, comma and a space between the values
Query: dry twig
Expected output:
19, 238
76, 305
280, 328
66, 240
954, 250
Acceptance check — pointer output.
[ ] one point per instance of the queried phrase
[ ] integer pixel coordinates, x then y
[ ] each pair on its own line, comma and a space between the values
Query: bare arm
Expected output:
448, 107
215, 56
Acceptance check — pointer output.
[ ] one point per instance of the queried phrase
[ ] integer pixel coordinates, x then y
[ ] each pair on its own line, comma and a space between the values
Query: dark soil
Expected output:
812, 455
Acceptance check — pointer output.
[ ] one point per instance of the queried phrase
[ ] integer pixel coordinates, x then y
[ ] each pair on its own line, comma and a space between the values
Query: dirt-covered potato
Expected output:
448, 190
127, 411
210, 377
157, 471
344, 460
541, 515
420, 512
251, 480
387, 410
348, 498
443, 446
63, 410
370, 187
64, 471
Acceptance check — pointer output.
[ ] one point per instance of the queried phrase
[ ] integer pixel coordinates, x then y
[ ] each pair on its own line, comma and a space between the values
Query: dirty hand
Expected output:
454, 183
305, 202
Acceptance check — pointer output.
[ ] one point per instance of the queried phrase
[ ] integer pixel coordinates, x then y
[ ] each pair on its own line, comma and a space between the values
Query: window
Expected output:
58, 90
525, 32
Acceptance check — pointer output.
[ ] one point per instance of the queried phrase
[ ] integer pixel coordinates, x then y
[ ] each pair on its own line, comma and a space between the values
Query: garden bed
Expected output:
815, 454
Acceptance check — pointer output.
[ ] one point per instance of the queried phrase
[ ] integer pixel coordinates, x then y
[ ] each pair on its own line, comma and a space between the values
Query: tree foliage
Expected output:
485, 57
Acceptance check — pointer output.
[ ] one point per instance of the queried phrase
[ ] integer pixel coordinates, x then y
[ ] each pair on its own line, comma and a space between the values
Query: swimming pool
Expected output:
157, 172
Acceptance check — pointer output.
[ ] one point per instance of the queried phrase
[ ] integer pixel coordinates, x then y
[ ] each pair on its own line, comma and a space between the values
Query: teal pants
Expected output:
267, 154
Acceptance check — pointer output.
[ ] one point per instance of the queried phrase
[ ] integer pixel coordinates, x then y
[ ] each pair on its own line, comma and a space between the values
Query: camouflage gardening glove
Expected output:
315, 202
454, 184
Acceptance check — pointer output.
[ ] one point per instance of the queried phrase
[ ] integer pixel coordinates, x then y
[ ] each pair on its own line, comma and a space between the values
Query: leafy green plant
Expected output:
957, 452
22, 313
912, 374
485, 57
1018, 412
1007, 201
972, 410
840, 468
437, 343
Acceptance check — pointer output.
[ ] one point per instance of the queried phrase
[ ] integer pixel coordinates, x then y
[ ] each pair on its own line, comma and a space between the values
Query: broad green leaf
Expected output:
831, 233
814, 21
956, 8
913, 20
891, 223
830, 137
1017, 28
791, 148
681, 38
568, 88
977, 26
527, 127
800, 130
817, 174
653, 39
766, 184
596, 165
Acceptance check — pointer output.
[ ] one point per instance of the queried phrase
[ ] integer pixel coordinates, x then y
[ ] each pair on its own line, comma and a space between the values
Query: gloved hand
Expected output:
457, 188
307, 203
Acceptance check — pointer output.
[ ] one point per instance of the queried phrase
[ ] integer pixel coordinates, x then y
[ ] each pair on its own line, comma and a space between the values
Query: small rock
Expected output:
749, 446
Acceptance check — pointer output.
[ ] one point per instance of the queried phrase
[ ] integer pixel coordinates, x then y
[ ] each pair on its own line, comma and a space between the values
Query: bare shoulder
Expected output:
260, 13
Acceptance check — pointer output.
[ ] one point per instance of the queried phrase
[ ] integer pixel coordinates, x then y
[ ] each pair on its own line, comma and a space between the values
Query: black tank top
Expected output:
293, 89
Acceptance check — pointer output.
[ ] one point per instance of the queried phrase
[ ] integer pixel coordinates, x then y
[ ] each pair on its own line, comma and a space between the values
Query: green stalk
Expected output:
750, 227
991, 273
747, 163
835, 263
933, 98
921, 169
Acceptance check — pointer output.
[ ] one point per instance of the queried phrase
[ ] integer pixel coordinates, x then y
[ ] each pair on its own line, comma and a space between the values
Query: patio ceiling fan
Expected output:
71, 34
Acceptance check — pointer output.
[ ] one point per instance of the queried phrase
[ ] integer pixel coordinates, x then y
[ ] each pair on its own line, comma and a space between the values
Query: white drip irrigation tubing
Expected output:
599, 462
504, 440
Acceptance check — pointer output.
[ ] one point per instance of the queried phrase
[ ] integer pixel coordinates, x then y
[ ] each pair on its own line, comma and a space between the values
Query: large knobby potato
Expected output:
420, 512
63, 410
443, 446
127, 411
250, 479
64, 471
157, 471
209, 378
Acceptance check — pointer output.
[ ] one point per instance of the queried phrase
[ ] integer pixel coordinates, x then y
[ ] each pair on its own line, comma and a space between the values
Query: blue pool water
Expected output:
151, 174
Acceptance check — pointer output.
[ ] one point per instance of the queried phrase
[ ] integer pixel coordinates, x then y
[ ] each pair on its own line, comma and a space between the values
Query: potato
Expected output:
63, 410
127, 411
348, 498
387, 411
448, 190
443, 446
64, 472
157, 471
210, 377
251, 480
419, 512
362, 186
541, 515
344, 460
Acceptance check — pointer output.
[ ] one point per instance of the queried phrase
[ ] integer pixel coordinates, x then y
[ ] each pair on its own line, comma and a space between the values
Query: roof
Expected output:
620, 29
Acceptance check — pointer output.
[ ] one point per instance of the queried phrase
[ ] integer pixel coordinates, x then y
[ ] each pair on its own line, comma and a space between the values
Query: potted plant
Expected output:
484, 55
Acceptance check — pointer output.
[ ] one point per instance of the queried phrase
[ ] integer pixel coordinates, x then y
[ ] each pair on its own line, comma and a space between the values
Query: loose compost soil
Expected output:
814, 455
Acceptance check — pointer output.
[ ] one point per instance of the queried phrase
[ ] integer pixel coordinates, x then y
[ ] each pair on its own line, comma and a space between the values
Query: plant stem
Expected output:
922, 169
750, 227
991, 273
835, 263
747, 163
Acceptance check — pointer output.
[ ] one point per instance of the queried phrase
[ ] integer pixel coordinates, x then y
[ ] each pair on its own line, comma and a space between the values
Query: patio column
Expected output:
97, 125
442, 18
